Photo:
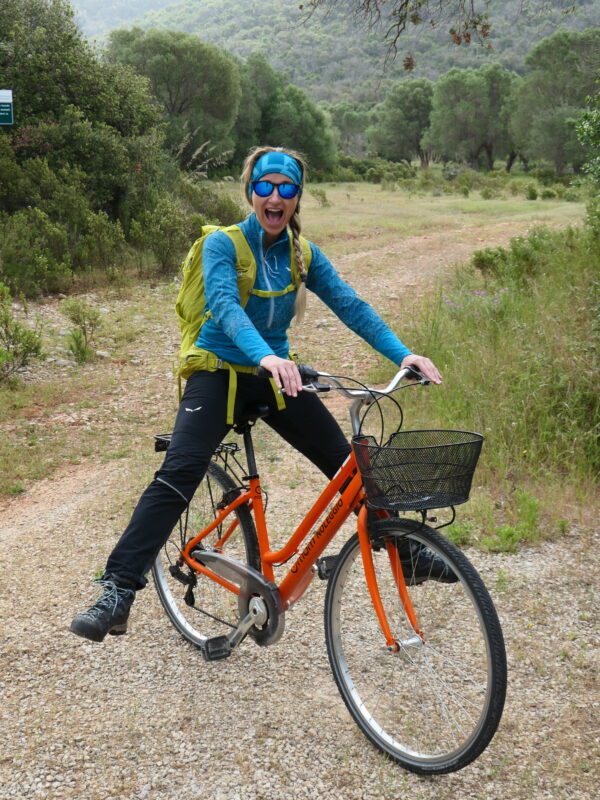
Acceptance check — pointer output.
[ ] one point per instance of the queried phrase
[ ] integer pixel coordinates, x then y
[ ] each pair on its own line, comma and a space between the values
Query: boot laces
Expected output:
109, 599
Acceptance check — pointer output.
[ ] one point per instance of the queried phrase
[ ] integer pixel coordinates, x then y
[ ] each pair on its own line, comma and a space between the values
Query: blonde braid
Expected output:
300, 304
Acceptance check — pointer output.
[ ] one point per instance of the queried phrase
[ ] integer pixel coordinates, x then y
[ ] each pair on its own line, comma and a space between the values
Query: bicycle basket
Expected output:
416, 470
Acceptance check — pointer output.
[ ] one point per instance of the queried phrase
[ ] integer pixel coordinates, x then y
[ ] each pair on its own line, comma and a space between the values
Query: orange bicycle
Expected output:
417, 654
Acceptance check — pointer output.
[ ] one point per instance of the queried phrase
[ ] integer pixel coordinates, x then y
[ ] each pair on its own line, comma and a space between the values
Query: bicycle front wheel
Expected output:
435, 704
198, 607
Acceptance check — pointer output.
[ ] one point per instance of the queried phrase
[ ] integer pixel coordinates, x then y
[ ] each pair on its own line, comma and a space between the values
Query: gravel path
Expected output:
143, 716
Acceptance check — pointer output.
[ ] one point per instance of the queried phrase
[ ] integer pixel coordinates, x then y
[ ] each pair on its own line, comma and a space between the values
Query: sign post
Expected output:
6, 107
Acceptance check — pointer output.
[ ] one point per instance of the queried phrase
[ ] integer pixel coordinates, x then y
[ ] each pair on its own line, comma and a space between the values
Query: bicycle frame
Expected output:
347, 486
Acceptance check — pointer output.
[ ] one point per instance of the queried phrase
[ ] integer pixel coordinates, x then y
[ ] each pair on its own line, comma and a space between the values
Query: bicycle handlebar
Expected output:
368, 392
315, 381
312, 382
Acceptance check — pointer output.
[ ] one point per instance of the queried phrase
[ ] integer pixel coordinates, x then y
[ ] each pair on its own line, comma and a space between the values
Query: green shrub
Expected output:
34, 256
490, 260
548, 194
214, 205
374, 175
451, 171
321, 197
525, 257
103, 242
592, 218
545, 175
86, 320
18, 345
164, 232
371, 169
531, 192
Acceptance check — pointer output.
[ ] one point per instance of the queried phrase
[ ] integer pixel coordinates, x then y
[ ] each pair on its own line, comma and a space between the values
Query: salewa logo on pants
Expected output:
191, 410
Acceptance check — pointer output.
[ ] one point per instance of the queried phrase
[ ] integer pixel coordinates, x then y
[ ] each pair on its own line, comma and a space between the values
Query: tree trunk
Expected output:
512, 157
489, 154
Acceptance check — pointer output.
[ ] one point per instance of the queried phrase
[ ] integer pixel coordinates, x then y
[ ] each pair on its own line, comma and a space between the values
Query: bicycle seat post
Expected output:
249, 448
244, 426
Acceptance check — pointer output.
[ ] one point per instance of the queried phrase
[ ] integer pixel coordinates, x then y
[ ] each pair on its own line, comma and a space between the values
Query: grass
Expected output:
525, 330
367, 217
77, 412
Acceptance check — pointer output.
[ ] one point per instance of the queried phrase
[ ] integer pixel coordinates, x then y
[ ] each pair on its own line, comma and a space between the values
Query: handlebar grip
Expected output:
307, 374
415, 375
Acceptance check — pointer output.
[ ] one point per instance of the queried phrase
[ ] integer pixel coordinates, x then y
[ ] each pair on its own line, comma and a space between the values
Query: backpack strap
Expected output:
243, 251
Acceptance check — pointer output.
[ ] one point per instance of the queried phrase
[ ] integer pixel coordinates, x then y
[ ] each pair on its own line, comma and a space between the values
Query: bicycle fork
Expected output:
367, 557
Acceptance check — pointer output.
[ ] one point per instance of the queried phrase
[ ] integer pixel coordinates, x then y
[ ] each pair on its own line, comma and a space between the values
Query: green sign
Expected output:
6, 107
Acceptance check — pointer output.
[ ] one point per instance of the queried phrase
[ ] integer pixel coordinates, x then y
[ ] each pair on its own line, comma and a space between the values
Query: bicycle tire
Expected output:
198, 607
434, 705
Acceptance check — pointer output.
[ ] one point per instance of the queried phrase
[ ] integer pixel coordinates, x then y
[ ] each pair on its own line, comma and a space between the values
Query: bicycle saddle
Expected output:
250, 414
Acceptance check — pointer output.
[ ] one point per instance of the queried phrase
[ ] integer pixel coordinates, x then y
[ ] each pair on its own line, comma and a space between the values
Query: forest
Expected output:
111, 147
333, 55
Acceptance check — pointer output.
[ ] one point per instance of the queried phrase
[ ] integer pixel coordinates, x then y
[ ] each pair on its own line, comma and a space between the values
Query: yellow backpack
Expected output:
191, 298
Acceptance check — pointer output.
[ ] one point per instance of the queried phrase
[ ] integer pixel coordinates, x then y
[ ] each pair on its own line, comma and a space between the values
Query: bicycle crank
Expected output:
261, 611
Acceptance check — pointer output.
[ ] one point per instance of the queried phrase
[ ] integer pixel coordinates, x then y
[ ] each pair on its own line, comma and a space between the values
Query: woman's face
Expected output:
274, 212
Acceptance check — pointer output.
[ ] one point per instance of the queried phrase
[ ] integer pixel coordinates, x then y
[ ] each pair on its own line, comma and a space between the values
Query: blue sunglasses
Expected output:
265, 188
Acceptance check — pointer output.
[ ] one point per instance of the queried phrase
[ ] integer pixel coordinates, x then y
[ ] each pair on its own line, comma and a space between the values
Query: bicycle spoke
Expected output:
214, 609
435, 703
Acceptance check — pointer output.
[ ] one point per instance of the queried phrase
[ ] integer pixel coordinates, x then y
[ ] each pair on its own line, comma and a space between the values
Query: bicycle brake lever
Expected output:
415, 375
315, 386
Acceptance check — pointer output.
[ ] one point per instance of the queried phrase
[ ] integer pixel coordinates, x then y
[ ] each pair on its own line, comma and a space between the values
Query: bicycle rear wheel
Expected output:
434, 705
198, 607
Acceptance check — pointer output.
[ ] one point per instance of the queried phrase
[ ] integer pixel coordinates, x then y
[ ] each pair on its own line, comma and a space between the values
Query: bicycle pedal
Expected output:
217, 648
325, 566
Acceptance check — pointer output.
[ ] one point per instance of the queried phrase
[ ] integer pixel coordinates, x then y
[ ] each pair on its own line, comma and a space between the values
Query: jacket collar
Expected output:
256, 231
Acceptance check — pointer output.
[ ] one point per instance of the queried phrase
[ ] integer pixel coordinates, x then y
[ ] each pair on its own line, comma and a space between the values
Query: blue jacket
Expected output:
245, 335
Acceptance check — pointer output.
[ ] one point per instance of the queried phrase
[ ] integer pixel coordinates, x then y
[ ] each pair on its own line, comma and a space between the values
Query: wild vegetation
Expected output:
104, 183
333, 53
521, 325
104, 167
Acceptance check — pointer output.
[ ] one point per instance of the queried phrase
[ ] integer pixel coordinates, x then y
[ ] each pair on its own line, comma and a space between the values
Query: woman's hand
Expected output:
425, 366
285, 374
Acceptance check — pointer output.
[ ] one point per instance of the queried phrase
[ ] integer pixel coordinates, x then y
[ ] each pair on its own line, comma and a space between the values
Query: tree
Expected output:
351, 121
467, 18
274, 112
469, 115
293, 120
588, 131
547, 104
401, 122
196, 84
83, 157
259, 85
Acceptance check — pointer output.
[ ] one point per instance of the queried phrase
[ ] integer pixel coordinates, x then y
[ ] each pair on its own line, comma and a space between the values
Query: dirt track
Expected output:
143, 716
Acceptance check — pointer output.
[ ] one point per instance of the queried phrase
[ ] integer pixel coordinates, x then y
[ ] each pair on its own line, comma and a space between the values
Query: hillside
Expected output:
331, 55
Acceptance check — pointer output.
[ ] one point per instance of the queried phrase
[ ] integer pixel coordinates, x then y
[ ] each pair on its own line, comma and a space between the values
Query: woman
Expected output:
254, 335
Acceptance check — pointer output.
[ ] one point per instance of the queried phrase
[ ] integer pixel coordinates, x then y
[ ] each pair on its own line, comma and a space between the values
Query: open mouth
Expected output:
273, 216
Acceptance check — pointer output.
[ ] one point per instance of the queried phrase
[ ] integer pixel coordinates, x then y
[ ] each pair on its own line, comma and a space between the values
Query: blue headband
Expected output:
279, 163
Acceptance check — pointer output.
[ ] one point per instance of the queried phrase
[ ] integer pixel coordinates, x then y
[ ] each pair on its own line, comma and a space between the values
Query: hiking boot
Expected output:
109, 613
419, 564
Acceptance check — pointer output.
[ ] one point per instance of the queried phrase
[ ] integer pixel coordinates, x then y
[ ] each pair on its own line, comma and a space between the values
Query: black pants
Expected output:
200, 426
